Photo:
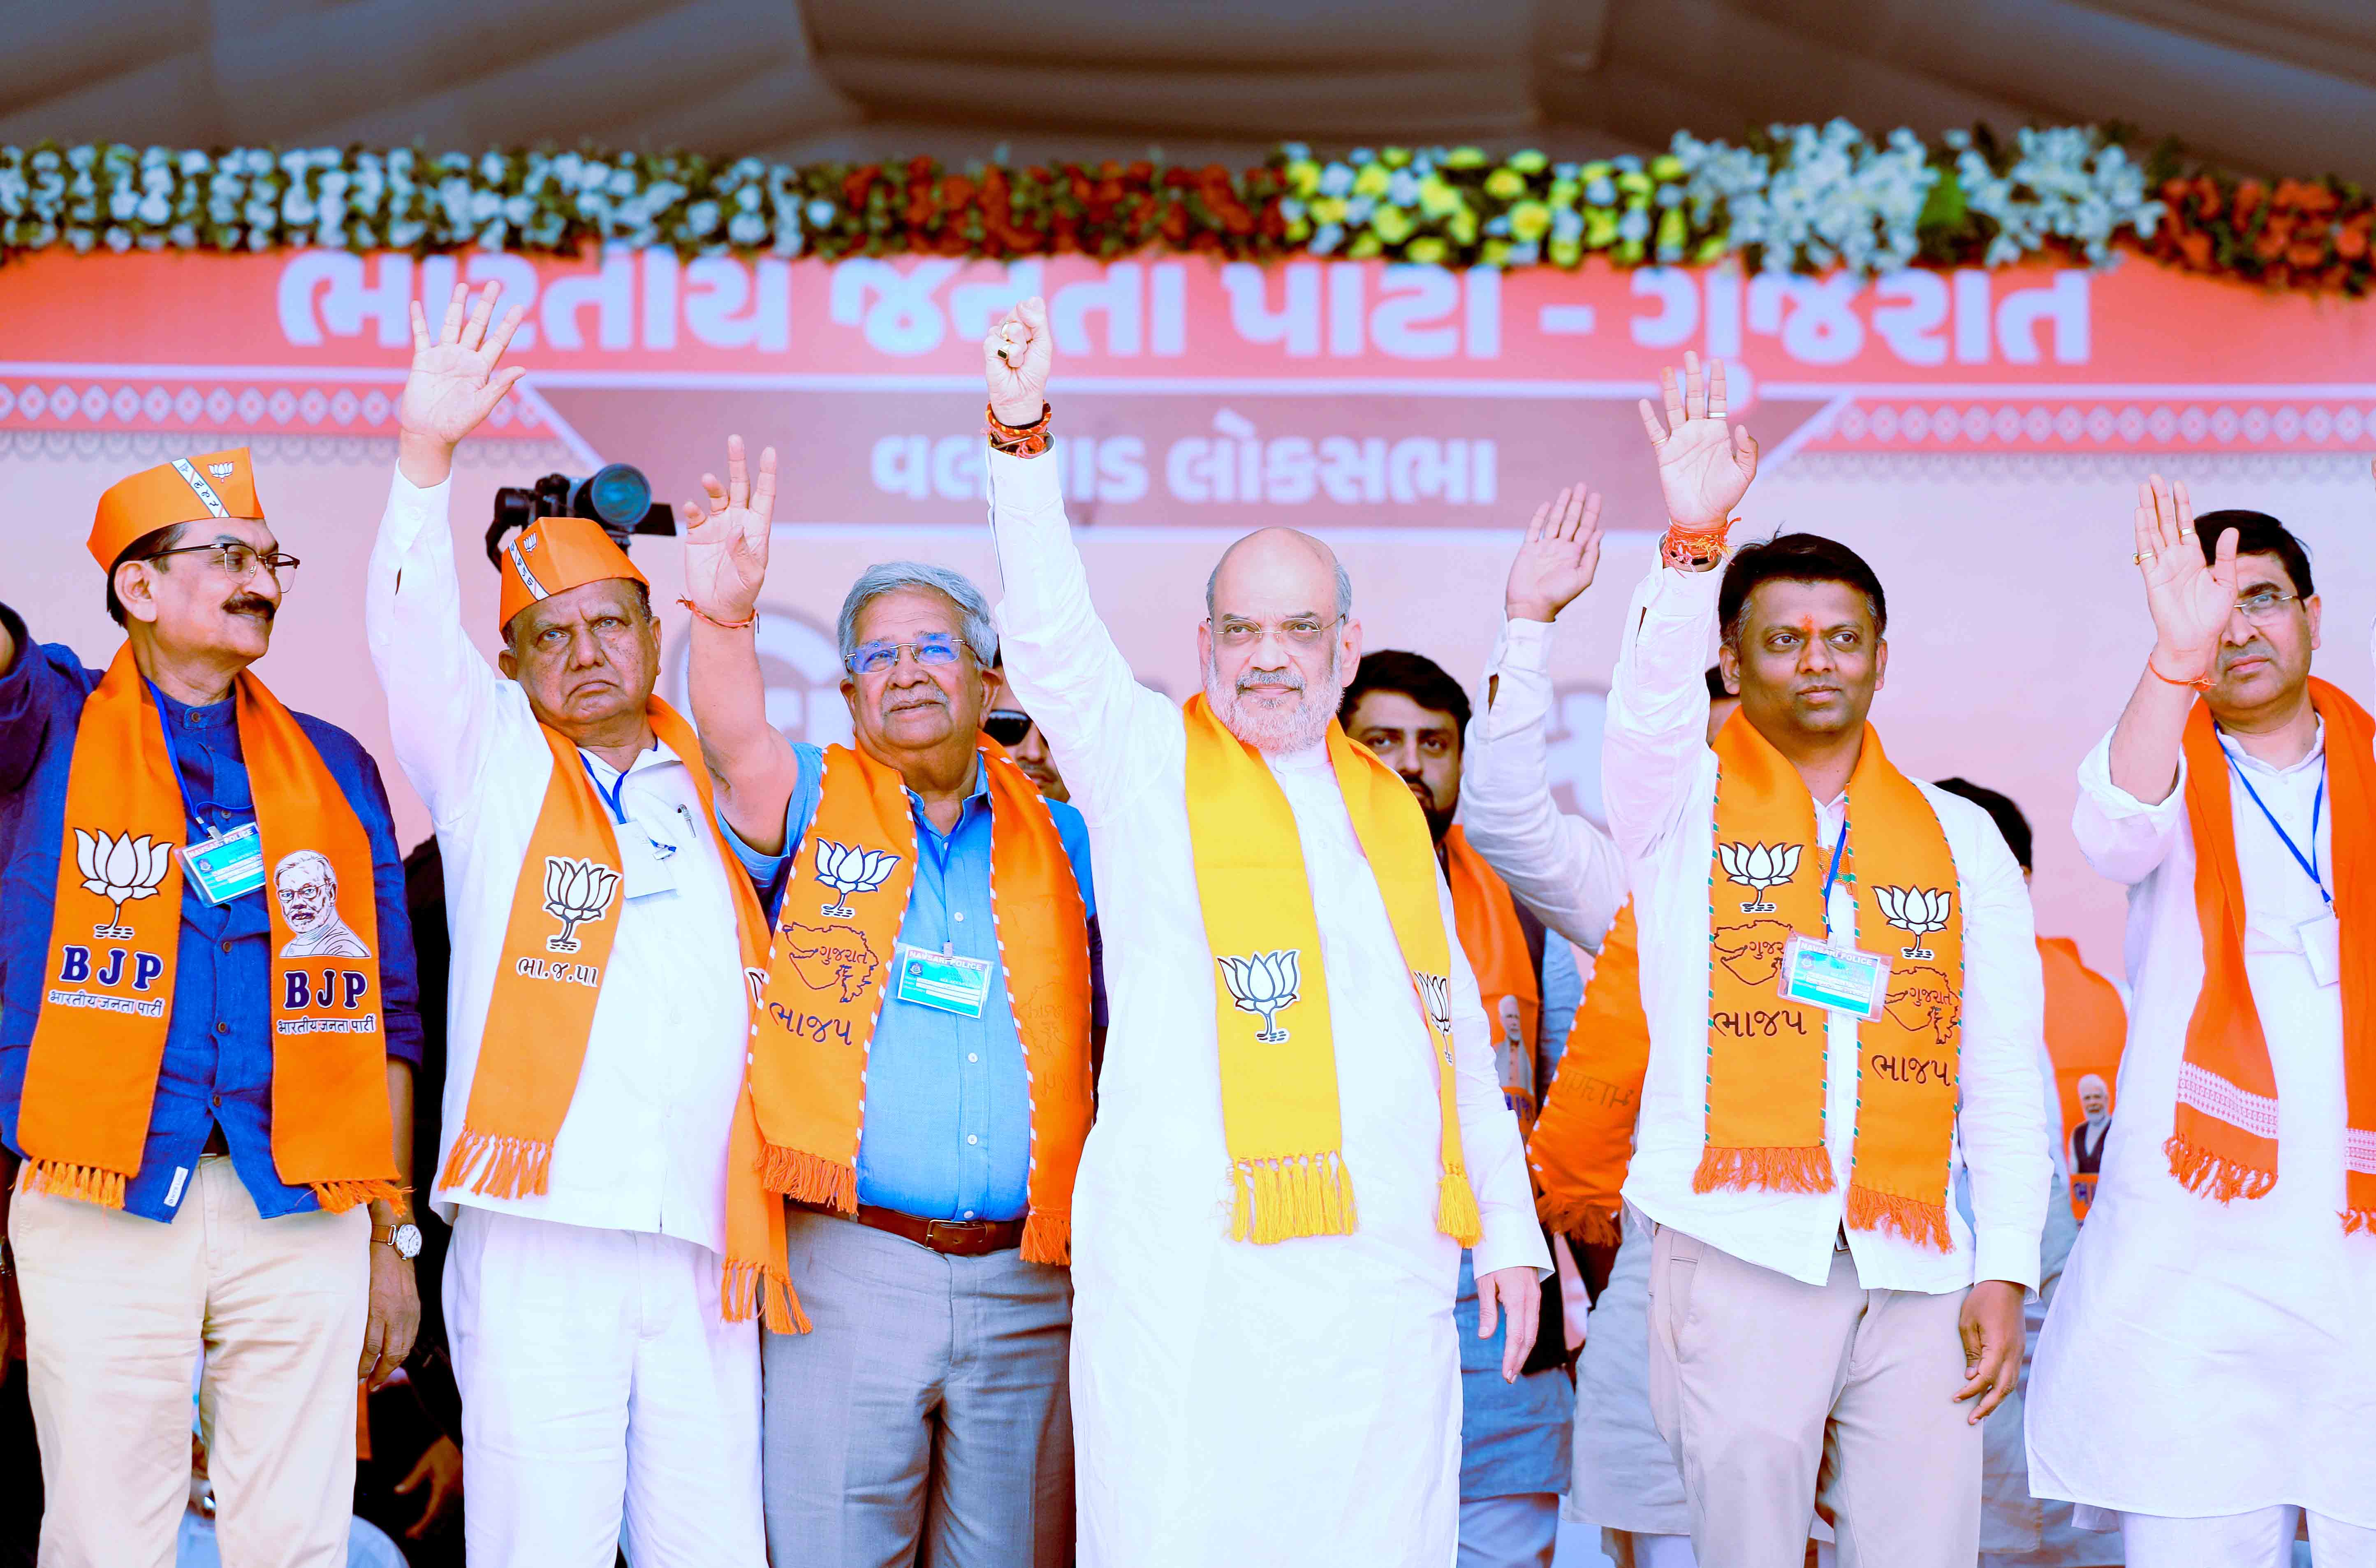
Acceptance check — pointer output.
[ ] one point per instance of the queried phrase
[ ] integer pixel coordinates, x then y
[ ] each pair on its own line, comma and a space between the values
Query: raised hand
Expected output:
1014, 361
455, 382
1557, 561
2191, 600
726, 537
1703, 468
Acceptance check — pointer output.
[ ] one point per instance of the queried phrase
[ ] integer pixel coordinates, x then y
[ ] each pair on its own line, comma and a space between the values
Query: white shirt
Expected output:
1659, 782
643, 1146
1288, 1403
2204, 1358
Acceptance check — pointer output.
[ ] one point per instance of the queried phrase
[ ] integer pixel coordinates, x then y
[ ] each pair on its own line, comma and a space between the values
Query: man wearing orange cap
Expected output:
198, 1105
600, 1162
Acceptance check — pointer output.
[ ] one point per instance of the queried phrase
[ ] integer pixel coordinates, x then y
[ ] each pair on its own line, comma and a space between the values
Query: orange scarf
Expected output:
2225, 1141
556, 948
830, 971
1767, 1061
91, 1076
1495, 942
1584, 1141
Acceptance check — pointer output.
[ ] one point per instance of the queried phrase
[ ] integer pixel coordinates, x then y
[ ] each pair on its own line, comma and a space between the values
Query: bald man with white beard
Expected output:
1298, 1123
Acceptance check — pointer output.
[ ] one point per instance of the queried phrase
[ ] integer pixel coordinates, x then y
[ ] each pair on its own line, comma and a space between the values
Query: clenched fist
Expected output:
1015, 360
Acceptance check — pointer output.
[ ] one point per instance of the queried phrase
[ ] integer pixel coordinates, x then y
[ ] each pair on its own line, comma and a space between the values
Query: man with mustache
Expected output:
1514, 1436
612, 1240
2207, 1374
204, 1101
1826, 1328
943, 1072
1298, 1123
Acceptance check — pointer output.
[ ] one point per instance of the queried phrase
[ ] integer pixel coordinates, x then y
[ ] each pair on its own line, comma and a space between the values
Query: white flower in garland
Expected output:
1826, 196
2068, 183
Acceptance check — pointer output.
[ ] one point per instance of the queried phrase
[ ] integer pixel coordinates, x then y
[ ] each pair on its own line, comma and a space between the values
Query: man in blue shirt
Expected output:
211, 1247
928, 1407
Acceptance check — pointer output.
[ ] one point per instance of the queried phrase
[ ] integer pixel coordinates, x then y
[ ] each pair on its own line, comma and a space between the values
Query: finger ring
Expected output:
2186, 533
2142, 558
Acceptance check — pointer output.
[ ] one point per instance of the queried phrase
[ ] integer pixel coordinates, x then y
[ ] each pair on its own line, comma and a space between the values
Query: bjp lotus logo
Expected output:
1759, 867
575, 891
1435, 990
1267, 983
122, 870
1918, 910
848, 869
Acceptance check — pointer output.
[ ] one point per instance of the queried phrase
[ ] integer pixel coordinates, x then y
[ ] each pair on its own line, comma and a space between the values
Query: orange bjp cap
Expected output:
187, 490
554, 554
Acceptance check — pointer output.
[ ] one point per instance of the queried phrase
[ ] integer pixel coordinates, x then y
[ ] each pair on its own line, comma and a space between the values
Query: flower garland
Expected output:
1795, 198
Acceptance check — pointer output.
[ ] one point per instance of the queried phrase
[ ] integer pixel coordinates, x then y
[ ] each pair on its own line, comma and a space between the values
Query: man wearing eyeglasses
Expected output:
1299, 1125
213, 1109
1012, 728
2207, 1374
932, 975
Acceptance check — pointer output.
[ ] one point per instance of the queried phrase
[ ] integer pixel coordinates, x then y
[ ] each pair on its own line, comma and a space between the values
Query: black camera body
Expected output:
616, 495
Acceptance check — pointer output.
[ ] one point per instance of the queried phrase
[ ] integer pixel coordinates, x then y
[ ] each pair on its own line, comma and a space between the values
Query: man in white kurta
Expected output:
2208, 1370
1290, 1404
603, 1397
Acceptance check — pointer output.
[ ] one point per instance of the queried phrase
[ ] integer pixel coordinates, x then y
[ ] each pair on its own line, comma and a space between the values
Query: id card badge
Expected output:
1837, 978
645, 864
944, 981
2321, 942
226, 866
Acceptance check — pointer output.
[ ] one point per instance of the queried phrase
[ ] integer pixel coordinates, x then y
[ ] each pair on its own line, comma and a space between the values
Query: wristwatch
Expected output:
405, 1238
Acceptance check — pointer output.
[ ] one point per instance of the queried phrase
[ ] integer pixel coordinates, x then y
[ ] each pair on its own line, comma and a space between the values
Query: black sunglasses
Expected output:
1006, 726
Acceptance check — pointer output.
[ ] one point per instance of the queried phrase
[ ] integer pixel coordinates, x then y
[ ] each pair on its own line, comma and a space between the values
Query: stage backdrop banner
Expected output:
1977, 434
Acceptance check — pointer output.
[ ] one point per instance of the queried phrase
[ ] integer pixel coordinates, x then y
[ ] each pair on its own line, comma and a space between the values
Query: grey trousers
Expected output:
926, 1421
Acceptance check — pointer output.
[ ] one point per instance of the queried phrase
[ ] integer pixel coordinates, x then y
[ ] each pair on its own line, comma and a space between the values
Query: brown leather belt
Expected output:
956, 1238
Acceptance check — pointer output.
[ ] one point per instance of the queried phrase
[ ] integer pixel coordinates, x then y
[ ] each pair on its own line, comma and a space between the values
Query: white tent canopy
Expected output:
2272, 86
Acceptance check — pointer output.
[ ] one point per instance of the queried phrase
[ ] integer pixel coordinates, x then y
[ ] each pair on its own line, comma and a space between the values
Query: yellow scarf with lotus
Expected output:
1277, 1056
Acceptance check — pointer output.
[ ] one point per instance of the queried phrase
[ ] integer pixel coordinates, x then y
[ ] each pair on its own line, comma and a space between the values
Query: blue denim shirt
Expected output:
218, 1065
1514, 1436
948, 1103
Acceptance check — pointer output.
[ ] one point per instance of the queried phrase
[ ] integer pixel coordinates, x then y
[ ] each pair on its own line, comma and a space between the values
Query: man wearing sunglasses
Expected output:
2205, 1374
1012, 728
932, 980
213, 1109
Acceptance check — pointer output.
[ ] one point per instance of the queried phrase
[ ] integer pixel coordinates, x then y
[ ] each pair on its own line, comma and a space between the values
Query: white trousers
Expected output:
1517, 1531
603, 1400
2261, 1538
118, 1310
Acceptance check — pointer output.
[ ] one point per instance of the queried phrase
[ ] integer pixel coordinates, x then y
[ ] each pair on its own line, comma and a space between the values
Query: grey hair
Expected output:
891, 576
1344, 587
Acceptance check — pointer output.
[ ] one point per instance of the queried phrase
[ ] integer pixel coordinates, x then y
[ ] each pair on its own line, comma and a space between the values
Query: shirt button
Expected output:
971, 1139
214, 1100
221, 1027
957, 914
969, 1214
973, 1056
226, 947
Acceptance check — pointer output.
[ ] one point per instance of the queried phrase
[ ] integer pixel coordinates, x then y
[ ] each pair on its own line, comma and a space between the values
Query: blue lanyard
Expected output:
197, 810
611, 796
1832, 875
2317, 806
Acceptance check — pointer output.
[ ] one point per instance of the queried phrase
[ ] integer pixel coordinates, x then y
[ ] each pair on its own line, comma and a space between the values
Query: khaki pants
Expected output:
118, 1308
1777, 1395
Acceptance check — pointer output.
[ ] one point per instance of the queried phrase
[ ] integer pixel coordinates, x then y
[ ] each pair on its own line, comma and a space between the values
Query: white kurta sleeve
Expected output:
444, 700
1656, 729
2003, 1123
1560, 865
1513, 1237
2123, 837
1106, 731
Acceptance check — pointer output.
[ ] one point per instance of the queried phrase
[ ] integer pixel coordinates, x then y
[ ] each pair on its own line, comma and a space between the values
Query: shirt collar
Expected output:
184, 716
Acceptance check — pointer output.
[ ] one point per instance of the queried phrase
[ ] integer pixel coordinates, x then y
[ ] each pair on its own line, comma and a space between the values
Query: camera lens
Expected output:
617, 496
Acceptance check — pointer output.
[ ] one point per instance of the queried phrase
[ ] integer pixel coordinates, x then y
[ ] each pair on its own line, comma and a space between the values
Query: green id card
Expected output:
944, 981
1837, 977
226, 866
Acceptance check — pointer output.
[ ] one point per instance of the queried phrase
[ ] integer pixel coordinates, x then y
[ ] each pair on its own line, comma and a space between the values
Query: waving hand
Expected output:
1703, 468
726, 537
457, 380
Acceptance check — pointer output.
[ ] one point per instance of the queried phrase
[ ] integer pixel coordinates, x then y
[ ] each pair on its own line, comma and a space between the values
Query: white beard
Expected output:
1278, 731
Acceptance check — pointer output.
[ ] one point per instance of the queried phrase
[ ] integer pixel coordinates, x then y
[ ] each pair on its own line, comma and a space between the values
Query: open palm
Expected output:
726, 537
1561, 553
2190, 598
1704, 468
457, 378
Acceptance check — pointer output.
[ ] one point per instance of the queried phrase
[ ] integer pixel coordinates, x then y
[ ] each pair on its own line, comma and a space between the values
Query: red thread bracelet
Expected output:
2200, 683
721, 625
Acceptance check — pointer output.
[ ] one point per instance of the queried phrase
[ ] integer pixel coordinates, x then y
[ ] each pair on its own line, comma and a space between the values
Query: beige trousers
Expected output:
1779, 1397
117, 1310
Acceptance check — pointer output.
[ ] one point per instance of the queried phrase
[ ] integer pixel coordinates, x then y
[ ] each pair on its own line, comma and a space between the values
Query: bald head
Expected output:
1273, 573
